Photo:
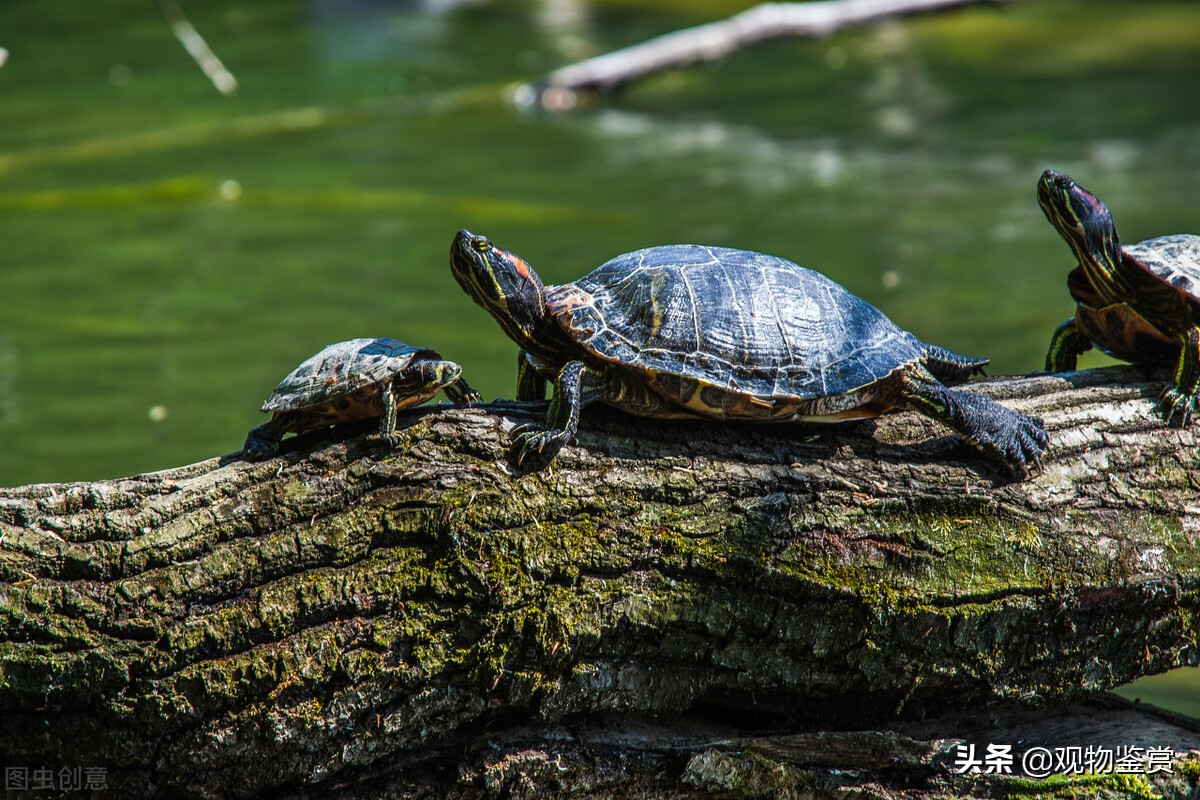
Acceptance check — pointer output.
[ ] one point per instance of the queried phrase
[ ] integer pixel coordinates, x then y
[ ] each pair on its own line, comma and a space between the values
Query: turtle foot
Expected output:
994, 429
1009, 436
258, 446
1021, 443
1176, 406
535, 446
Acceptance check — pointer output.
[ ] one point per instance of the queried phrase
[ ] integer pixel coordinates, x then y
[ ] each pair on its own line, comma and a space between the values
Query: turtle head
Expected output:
1084, 221
502, 283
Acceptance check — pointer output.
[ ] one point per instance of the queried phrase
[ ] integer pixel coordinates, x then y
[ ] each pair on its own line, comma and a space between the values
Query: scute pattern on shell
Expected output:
735, 320
1174, 259
341, 369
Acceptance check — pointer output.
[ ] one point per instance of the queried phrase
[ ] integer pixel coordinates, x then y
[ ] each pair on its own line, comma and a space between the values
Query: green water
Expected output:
169, 253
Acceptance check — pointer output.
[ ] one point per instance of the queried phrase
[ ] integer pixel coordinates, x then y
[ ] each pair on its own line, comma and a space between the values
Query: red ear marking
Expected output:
519, 263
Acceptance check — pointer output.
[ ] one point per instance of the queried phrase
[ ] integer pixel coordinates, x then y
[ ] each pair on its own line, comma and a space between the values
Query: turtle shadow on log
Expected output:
361, 437
626, 436
894, 440
799, 444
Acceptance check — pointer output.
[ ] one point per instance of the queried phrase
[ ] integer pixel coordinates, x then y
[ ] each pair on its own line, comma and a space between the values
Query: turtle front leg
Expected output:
530, 383
995, 430
461, 394
576, 386
420, 382
1066, 345
263, 441
387, 420
441, 376
1179, 399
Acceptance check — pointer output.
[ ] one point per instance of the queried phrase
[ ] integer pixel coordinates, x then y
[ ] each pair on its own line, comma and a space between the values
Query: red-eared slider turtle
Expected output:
1138, 302
354, 380
687, 331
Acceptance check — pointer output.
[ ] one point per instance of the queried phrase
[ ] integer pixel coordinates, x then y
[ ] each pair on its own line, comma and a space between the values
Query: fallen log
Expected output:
668, 605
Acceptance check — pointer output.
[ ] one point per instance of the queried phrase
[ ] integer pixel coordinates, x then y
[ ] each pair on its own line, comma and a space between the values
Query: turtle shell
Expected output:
342, 369
741, 325
1121, 329
1174, 260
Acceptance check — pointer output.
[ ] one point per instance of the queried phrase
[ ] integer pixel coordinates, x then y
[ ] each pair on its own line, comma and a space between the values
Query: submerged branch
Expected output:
609, 72
197, 48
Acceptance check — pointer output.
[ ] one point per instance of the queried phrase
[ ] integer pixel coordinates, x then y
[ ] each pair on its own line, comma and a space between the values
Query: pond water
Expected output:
170, 253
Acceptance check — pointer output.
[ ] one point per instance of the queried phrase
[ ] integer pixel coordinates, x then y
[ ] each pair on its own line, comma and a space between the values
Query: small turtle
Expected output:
1138, 302
693, 331
355, 380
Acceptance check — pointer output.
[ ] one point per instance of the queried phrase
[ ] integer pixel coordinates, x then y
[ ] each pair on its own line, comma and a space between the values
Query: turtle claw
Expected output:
1019, 443
1176, 406
534, 446
390, 440
462, 395
1016, 439
1031, 440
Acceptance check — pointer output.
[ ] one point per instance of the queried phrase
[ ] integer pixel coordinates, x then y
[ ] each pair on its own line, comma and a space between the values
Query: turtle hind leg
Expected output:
951, 368
263, 441
1066, 345
1179, 399
998, 431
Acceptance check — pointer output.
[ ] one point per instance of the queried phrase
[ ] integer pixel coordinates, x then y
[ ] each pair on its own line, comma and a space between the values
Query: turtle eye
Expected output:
482, 245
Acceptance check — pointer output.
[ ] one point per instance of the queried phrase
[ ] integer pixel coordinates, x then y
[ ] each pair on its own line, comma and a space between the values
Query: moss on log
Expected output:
361, 621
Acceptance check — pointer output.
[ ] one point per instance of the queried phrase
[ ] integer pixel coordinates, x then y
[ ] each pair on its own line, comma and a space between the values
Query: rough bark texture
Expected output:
668, 611
609, 72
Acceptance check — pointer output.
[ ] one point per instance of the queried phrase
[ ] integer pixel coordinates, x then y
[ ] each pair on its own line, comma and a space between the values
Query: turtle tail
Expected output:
949, 367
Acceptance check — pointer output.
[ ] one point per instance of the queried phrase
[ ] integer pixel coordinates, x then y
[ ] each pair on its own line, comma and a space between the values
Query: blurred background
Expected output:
169, 253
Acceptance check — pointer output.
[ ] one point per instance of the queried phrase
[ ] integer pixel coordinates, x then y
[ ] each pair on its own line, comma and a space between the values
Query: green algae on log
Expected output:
349, 618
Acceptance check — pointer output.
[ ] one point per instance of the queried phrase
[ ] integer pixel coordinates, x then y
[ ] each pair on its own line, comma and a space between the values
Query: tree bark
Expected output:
669, 610
609, 72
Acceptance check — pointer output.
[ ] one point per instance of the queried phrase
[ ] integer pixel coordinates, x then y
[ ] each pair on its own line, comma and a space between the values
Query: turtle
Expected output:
355, 380
1136, 302
700, 331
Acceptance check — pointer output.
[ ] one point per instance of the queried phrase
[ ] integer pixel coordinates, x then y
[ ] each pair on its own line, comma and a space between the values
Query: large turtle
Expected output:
687, 331
354, 380
1138, 302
